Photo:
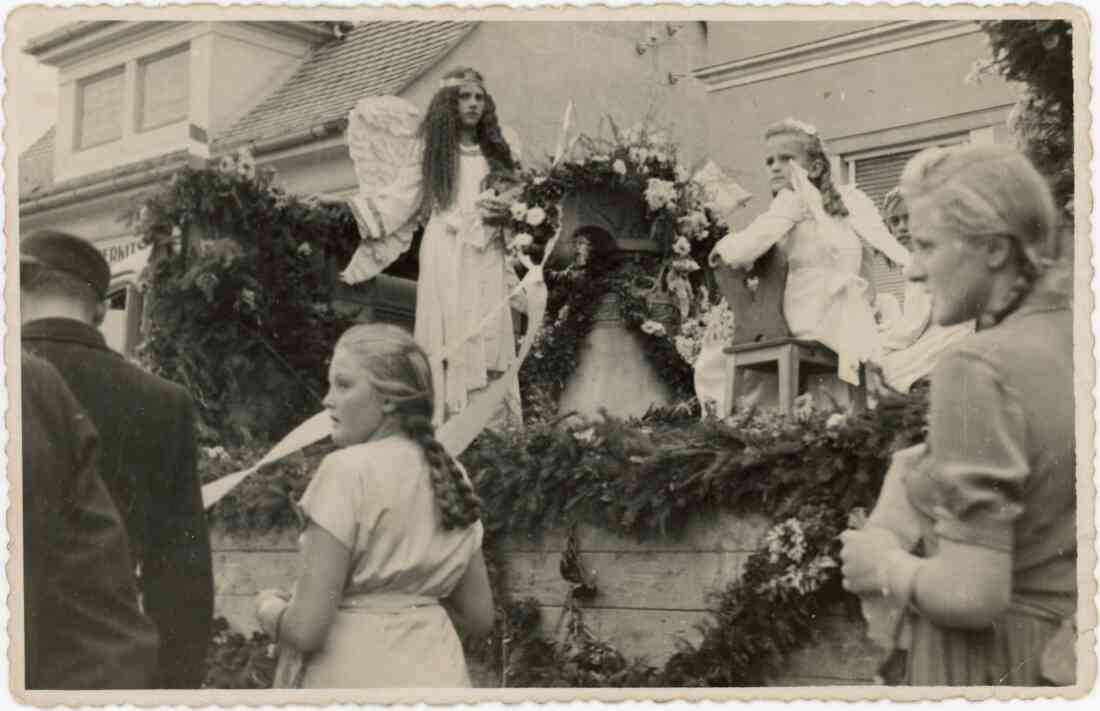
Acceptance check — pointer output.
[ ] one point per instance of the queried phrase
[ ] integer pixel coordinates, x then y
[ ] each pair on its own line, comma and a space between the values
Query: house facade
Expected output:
140, 99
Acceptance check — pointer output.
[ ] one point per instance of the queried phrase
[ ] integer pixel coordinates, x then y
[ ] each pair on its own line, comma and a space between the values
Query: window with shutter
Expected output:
164, 87
876, 175
99, 109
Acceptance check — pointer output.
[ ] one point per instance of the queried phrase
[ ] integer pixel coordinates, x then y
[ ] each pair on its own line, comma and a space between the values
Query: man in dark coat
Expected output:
83, 628
147, 437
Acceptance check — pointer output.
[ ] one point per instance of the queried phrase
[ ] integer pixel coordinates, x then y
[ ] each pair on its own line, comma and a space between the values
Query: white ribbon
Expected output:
457, 433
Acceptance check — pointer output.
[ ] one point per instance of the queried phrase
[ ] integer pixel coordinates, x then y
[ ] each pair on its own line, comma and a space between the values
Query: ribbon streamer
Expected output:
457, 433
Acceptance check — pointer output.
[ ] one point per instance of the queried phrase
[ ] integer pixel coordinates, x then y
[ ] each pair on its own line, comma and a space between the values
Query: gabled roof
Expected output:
373, 59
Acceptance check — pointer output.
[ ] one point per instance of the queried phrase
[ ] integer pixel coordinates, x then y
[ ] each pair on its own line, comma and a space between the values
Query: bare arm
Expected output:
472, 599
324, 569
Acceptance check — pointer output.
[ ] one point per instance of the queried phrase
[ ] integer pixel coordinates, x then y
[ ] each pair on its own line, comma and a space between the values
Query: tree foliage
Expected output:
1039, 55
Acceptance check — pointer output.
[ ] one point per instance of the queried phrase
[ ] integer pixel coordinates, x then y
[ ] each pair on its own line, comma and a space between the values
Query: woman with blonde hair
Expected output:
391, 534
991, 496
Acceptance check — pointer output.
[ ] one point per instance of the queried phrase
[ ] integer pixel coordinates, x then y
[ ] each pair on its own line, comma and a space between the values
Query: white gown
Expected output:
826, 298
463, 275
912, 344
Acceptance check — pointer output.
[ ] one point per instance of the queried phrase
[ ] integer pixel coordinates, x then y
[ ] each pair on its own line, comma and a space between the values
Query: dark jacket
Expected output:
83, 628
147, 460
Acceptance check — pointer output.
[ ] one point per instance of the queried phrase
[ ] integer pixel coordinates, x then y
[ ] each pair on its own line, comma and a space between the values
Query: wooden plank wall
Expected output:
650, 592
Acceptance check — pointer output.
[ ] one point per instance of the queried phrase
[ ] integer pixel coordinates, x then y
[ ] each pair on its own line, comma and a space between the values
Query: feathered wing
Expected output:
382, 142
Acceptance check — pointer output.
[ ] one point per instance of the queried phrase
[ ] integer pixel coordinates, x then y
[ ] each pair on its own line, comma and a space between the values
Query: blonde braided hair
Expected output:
398, 368
983, 191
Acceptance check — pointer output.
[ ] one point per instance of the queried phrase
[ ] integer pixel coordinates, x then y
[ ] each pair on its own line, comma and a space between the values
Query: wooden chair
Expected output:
762, 340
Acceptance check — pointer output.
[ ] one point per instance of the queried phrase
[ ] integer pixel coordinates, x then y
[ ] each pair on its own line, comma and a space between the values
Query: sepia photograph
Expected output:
458, 355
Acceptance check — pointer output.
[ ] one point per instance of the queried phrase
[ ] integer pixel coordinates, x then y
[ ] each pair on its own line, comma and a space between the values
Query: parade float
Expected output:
631, 542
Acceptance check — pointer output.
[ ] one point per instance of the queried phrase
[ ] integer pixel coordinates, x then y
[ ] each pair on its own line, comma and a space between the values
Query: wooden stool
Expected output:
791, 359
762, 339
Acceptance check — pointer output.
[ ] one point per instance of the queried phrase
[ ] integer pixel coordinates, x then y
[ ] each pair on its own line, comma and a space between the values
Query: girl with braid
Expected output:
392, 534
991, 495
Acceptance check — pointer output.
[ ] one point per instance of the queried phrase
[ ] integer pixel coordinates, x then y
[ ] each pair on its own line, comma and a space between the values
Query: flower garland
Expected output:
686, 218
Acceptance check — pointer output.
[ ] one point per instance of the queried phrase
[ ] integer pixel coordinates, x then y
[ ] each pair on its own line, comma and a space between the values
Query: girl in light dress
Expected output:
912, 343
463, 271
823, 231
991, 496
392, 534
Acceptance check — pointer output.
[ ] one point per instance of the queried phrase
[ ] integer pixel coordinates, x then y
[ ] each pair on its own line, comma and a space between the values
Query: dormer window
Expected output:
163, 88
99, 108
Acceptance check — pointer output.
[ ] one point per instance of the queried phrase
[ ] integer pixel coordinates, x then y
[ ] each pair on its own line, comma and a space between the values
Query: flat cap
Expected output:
70, 254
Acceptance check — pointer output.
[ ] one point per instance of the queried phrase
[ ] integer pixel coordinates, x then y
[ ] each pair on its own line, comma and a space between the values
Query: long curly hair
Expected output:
977, 191
815, 149
440, 133
398, 368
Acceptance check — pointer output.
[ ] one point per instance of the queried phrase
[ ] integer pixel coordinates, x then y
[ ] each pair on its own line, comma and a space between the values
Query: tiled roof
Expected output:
374, 58
36, 165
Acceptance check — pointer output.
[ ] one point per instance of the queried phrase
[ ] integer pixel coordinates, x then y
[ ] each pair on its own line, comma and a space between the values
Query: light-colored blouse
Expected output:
376, 498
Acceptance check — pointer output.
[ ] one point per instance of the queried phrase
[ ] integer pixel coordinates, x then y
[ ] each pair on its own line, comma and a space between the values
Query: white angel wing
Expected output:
381, 140
381, 133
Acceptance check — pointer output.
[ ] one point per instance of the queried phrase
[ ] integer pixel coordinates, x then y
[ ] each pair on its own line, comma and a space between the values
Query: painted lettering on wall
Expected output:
117, 252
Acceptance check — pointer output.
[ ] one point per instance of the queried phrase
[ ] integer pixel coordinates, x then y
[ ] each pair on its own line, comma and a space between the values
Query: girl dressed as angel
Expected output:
824, 232
464, 277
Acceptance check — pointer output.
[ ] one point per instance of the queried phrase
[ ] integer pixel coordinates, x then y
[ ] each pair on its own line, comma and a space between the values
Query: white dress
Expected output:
912, 344
463, 276
390, 630
826, 298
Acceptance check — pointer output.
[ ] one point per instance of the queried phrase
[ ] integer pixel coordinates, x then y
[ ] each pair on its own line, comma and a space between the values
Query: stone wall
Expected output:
650, 593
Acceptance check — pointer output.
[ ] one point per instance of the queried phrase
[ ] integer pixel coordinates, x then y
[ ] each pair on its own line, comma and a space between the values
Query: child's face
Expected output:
897, 221
471, 105
783, 149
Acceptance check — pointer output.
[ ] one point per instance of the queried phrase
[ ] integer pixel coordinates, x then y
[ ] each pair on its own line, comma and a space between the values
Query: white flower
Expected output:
660, 193
804, 406
598, 158
682, 174
585, 436
519, 210
487, 194
540, 180
246, 165
654, 328
837, 419
619, 167
686, 265
304, 249
536, 216
753, 283
521, 241
227, 164
694, 223
176, 232
682, 247
248, 298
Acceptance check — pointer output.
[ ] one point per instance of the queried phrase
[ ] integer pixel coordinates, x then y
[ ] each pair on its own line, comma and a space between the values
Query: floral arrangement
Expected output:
686, 215
232, 247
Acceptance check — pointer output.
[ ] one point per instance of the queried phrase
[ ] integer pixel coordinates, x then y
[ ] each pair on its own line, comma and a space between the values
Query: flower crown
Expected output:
808, 129
467, 77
